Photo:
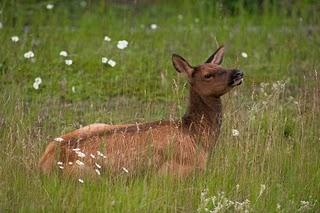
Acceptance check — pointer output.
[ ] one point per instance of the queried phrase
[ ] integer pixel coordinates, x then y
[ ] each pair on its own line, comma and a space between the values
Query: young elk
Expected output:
167, 147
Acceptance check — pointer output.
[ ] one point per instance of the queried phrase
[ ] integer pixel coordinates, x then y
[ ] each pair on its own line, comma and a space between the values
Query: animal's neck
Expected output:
203, 117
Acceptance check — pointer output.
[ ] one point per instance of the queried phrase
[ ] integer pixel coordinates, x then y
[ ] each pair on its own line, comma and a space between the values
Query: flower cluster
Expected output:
50, 6
14, 39
58, 139
235, 132
221, 203
122, 44
80, 162
29, 55
107, 38
36, 83
68, 62
111, 62
63, 53
306, 206
244, 55
153, 26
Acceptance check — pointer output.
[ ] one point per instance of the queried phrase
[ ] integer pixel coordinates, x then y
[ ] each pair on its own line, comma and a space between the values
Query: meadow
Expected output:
268, 154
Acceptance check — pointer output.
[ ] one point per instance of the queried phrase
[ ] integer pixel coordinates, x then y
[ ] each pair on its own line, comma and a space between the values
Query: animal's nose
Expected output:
237, 74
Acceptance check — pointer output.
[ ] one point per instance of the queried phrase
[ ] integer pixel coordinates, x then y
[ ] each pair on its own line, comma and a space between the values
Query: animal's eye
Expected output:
208, 76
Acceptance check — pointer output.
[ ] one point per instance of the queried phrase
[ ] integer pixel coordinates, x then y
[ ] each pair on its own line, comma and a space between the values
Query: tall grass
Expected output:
273, 163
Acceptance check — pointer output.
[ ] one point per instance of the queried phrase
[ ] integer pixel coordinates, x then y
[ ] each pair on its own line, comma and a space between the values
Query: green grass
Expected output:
279, 141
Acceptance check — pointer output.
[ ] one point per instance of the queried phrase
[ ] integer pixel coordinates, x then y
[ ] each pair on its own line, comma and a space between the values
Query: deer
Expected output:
168, 147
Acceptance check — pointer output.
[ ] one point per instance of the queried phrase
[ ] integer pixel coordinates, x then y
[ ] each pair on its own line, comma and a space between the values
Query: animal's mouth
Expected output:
237, 79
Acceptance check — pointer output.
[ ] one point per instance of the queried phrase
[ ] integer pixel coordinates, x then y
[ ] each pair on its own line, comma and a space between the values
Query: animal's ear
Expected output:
217, 56
181, 65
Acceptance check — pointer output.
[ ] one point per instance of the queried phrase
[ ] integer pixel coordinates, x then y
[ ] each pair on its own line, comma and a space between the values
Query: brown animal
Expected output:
168, 147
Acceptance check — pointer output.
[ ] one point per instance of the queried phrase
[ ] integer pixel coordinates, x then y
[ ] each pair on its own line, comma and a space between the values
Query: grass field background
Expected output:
272, 166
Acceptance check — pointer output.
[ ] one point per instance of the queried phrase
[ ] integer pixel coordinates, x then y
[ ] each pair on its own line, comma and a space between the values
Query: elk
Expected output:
179, 147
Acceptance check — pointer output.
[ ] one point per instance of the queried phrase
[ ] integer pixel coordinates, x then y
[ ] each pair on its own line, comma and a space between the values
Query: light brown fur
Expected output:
167, 147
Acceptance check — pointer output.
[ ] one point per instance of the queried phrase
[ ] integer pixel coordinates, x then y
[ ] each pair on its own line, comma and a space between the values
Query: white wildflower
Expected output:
104, 60
97, 165
29, 55
107, 38
306, 205
100, 154
244, 55
97, 171
221, 203
35, 86
235, 132
73, 89
278, 206
80, 180
63, 53
50, 6
204, 193
61, 167
122, 44
262, 189
59, 139
92, 156
237, 187
274, 86
80, 154
76, 149
68, 62
70, 163
14, 39
153, 26
38, 80
125, 170
79, 163
112, 63
241, 206
60, 163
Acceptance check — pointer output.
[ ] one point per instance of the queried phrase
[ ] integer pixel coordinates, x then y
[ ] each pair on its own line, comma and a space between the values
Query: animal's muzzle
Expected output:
236, 78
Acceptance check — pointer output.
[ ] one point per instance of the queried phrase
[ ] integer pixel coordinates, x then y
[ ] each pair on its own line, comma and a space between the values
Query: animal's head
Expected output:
209, 79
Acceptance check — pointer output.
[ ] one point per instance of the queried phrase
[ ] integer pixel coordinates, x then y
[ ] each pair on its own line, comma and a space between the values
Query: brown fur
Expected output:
168, 147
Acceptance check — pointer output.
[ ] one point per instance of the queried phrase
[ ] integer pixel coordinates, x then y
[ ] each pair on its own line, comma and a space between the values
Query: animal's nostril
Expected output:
238, 73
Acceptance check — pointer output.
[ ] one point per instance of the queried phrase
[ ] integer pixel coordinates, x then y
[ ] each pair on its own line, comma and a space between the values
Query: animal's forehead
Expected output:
208, 67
